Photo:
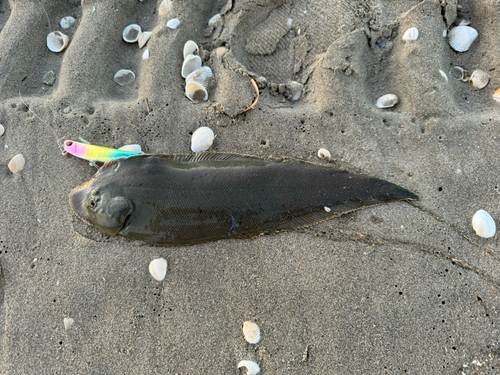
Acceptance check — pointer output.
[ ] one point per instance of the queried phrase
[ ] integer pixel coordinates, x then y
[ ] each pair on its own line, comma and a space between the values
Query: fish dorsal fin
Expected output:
209, 156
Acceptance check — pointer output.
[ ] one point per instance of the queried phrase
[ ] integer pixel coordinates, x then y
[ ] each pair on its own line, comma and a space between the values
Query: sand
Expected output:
394, 289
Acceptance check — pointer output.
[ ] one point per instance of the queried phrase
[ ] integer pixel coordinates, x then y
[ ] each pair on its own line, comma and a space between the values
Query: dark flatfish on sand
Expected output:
187, 199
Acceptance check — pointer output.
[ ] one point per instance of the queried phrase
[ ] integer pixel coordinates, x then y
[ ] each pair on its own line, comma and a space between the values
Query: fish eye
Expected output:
69, 143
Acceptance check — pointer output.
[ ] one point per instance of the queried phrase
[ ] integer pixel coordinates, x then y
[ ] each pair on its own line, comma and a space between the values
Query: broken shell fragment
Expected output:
131, 33
57, 41
197, 83
67, 22
202, 139
215, 20
144, 37
251, 331
16, 164
323, 153
68, 323
479, 79
483, 224
190, 48
2, 130
461, 38
387, 101
411, 34
496, 95
173, 23
190, 64
124, 77
458, 73
158, 268
252, 367
145, 54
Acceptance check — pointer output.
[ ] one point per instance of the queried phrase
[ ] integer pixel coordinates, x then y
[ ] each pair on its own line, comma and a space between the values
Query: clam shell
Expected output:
479, 79
387, 101
173, 23
131, 33
483, 224
165, 7
68, 323
131, 148
496, 95
143, 38
145, 54
158, 268
411, 34
190, 48
202, 139
323, 153
461, 38
251, 331
124, 77
215, 20
16, 164
57, 41
190, 64
67, 22
252, 367
2, 130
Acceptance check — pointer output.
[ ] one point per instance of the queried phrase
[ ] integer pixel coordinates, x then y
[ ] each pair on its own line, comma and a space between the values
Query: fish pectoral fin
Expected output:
111, 217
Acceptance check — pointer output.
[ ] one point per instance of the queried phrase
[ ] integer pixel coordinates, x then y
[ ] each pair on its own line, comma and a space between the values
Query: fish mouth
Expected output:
77, 200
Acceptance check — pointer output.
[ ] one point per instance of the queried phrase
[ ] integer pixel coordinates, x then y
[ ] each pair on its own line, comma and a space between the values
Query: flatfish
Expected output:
186, 199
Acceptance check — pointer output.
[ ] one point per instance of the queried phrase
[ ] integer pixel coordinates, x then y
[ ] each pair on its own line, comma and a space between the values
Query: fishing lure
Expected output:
97, 153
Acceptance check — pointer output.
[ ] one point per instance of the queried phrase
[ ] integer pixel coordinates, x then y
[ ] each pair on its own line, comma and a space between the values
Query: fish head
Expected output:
101, 207
70, 147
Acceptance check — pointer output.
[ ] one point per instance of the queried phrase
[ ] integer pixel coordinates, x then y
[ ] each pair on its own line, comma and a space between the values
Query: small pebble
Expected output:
49, 78
68, 322
173, 23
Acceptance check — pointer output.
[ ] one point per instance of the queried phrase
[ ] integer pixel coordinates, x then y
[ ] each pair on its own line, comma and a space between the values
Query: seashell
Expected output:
252, 367
197, 83
215, 20
68, 323
411, 34
144, 37
496, 95
483, 224
67, 22
2, 130
124, 77
461, 38
479, 79
131, 148
57, 41
145, 54
387, 101
173, 23
190, 48
251, 331
458, 73
158, 268
16, 164
323, 153
202, 139
190, 64
131, 33
165, 7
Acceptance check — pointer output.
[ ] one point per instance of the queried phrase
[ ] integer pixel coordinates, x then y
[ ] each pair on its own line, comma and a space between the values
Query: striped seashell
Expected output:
251, 331
461, 38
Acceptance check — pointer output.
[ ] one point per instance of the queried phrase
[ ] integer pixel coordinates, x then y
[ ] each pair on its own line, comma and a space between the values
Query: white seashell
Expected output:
158, 268
67, 22
131, 33
479, 79
16, 164
173, 23
57, 41
387, 101
251, 331
483, 224
445, 33
215, 20
496, 95
411, 34
252, 367
131, 148
124, 77
68, 323
197, 83
145, 54
289, 23
2, 130
144, 37
190, 64
461, 38
202, 139
190, 48
165, 7
323, 153
443, 74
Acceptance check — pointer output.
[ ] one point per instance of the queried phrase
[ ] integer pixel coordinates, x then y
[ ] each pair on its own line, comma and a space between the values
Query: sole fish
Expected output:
187, 199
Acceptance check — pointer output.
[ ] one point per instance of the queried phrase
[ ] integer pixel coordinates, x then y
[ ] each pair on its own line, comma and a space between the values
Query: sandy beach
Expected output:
401, 288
